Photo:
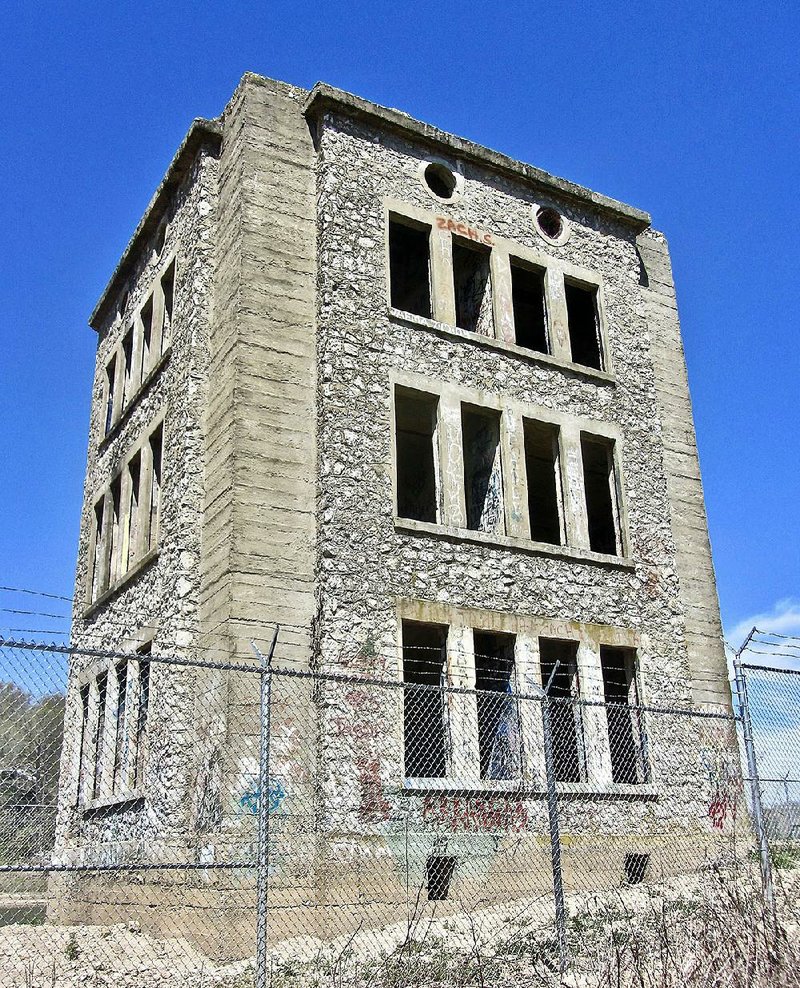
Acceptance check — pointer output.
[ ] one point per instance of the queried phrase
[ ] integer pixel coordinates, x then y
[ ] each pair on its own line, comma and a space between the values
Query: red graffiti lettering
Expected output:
460, 813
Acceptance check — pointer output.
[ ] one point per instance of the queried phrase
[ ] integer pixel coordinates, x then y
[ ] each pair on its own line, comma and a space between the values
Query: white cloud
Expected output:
783, 619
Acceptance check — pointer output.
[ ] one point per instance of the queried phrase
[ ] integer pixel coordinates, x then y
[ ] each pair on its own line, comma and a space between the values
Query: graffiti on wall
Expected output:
465, 814
722, 771
250, 800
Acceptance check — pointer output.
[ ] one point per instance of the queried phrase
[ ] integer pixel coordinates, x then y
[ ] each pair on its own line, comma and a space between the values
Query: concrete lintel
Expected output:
325, 97
202, 133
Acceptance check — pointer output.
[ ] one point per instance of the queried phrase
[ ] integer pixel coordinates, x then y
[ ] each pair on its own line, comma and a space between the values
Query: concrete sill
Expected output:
513, 789
132, 800
569, 553
125, 414
133, 572
614, 791
500, 346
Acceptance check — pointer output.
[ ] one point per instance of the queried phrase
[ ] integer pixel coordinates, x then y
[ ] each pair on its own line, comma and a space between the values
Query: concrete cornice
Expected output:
324, 97
202, 133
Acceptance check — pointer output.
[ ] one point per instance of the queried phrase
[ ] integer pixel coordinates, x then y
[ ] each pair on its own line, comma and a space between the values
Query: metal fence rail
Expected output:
166, 820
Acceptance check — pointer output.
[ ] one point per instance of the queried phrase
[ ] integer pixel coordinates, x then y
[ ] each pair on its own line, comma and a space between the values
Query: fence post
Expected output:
262, 879
752, 772
554, 826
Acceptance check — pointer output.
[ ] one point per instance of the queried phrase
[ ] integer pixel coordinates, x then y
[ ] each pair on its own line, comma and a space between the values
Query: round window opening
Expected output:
550, 222
440, 180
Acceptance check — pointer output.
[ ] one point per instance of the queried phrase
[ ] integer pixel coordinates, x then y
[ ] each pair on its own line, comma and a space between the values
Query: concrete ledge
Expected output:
569, 553
328, 98
511, 349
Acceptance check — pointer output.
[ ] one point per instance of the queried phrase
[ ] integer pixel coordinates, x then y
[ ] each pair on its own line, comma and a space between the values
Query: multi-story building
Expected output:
426, 408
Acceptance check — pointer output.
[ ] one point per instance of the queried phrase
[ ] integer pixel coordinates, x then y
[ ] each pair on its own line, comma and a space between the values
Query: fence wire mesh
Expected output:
170, 822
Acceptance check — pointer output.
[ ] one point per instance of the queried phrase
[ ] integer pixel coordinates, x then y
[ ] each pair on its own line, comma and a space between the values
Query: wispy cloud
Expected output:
784, 618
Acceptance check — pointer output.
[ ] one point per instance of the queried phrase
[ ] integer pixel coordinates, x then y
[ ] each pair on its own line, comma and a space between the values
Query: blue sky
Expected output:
689, 111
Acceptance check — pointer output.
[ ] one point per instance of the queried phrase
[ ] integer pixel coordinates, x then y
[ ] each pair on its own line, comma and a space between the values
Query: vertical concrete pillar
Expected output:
528, 670
443, 296
557, 324
577, 522
462, 707
515, 493
119, 385
595, 724
157, 331
502, 296
451, 455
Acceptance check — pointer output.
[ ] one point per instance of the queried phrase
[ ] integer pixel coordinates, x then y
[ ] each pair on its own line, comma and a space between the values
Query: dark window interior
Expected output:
423, 714
636, 868
409, 268
584, 337
600, 490
527, 293
565, 714
471, 281
111, 376
542, 466
483, 484
168, 288
624, 731
415, 431
438, 875
498, 722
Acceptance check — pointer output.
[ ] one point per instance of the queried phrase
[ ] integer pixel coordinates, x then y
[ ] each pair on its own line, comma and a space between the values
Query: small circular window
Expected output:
440, 181
550, 224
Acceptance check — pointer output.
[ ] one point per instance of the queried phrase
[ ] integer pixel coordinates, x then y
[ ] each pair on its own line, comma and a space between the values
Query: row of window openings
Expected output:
428, 741
418, 473
126, 517
144, 342
113, 738
410, 291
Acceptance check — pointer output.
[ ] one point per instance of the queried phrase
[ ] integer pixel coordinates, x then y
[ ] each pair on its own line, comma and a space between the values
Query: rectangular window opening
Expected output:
498, 717
417, 466
140, 749
527, 296
147, 337
424, 675
131, 546
472, 284
584, 325
111, 377
84, 740
156, 445
97, 581
120, 729
99, 733
601, 494
438, 876
625, 735
635, 866
409, 268
543, 472
483, 480
566, 722
115, 531
168, 292
127, 356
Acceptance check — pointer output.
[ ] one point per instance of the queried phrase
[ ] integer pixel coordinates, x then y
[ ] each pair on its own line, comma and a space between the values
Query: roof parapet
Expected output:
324, 97
201, 133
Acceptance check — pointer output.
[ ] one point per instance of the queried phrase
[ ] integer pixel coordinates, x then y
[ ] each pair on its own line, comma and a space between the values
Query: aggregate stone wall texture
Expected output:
278, 506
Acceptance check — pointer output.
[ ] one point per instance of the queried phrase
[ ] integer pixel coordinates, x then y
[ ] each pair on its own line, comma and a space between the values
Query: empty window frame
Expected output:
129, 383
98, 577
528, 300
583, 322
167, 284
416, 449
84, 759
409, 267
472, 286
113, 529
543, 474
424, 709
139, 747
625, 730
110, 388
131, 547
120, 713
499, 741
566, 721
483, 475
156, 443
98, 747
600, 488
148, 356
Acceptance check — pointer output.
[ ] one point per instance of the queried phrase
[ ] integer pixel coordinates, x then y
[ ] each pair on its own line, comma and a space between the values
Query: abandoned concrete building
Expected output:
425, 407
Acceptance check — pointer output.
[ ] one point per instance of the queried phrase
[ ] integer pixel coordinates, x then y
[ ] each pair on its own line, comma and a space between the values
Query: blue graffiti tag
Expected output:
251, 797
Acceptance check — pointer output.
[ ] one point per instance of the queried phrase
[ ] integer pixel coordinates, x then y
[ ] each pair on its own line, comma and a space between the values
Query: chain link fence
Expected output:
168, 821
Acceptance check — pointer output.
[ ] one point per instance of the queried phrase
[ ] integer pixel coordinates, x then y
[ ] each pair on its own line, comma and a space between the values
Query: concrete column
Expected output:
451, 456
443, 296
526, 662
577, 522
595, 724
462, 708
156, 334
557, 324
515, 487
502, 295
